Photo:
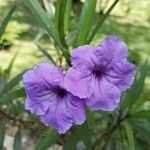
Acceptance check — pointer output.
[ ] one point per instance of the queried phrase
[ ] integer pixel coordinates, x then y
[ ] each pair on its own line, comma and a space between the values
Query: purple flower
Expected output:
100, 73
47, 98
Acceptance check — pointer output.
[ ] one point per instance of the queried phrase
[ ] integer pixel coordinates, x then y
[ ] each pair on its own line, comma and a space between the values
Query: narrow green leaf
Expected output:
84, 133
143, 130
59, 20
144, 114
130, 135
101, 21
49, 8
2, 134
45, 53
6, 20
47, 23
17, 141
71, 141
10, 85
67, 14
12, 95
47, 141
44, 20
85, 22
133, 94
2, 82
118, 139
143, 98
10, 66
79, 133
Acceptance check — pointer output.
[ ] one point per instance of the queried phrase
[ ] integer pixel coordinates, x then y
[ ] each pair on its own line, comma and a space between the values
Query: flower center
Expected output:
61, 92
97, 72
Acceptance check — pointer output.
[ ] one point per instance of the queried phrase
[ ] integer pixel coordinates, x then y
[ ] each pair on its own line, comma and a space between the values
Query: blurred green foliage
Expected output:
128, 127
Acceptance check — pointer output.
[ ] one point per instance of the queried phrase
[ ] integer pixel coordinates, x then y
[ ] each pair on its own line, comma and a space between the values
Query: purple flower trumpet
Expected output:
48, 98
99, 74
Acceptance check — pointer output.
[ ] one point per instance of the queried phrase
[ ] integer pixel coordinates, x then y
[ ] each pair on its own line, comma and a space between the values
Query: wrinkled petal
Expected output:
39, 83
62, 114
106, 96
78, 83
111, 50
38, 108
77, 109
122, 75
83, 57
57, 75
58, 116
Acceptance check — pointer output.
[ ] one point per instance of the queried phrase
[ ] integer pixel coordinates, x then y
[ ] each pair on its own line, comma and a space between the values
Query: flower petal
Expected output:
58, 116
62, 114
122, 75
83, 56
111, 50
78, 83
38, 108
106, 96
39, 83
77, 109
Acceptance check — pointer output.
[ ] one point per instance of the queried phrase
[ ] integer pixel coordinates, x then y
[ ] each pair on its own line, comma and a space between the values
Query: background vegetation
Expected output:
24, 43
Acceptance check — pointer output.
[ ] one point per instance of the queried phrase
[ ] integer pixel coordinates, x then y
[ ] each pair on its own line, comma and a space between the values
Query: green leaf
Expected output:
144, 114
71, 141
10, 66
67, 14
17, 141
49, 8
6, 20
130, 135
2, 134
10, 85
47, 141
45, 53
84, 133
85, 22
47, 23
143, 98
44, 20
59, 20
133, 94
2, 82
101, 21
143, 130
140, 145
118, 140
12, 95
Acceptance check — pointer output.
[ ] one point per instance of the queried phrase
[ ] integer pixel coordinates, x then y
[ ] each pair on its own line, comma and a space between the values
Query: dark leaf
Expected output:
2, 134
130, 135
145, 114
71, 141
18, 141
47, 141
